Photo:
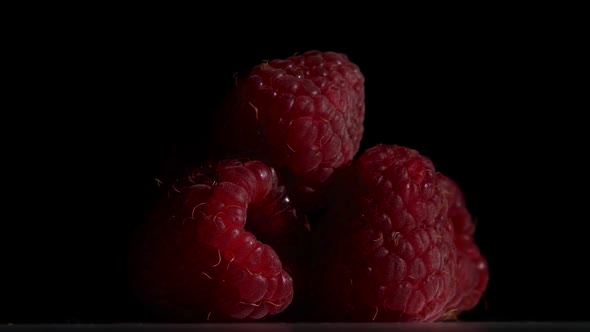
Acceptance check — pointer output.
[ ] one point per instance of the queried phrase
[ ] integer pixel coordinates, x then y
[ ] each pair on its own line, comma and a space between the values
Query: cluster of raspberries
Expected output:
290, 221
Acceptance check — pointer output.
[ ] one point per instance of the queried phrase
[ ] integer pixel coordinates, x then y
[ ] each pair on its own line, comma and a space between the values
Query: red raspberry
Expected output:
304, 115
385, 246
197, 259
472, 267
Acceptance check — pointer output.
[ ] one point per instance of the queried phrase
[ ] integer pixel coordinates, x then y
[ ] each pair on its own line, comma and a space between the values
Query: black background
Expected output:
492, 101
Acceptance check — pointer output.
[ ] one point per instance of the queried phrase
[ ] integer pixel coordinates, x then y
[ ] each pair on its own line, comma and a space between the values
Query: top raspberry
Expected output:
304, 115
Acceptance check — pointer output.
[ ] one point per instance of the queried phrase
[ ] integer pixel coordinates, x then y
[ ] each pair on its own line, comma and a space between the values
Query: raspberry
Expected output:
196, 258
385, 248
303, 115
472, 267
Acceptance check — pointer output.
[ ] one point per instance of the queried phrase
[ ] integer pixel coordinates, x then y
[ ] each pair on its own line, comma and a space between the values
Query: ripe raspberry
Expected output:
303, 115
385, 246
196, 258
472, 267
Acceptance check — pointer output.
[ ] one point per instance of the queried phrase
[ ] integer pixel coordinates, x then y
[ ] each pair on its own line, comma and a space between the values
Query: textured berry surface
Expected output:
385, 248
472, 268
197, 259
304, 115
